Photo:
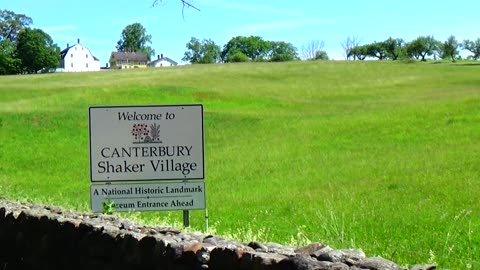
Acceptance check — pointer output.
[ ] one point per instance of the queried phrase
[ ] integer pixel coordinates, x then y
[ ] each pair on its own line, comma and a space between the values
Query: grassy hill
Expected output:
380, 156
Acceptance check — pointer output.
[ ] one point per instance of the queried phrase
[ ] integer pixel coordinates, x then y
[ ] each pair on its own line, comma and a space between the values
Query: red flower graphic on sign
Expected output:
142, 134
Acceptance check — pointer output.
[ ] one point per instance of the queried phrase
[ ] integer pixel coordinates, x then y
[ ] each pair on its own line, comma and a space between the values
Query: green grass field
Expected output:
380, 156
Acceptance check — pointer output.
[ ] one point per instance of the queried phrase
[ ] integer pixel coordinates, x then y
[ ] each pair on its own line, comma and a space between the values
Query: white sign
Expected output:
148, 196
146, 143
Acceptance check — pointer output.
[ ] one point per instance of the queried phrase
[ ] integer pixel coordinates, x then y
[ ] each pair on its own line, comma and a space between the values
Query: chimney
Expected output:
78, 40
68, 45
161, 55
158, 57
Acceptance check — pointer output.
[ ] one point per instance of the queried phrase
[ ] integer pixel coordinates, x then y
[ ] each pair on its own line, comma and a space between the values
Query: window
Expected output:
71, 65
86, 55
71, 55
75, 48
87, 65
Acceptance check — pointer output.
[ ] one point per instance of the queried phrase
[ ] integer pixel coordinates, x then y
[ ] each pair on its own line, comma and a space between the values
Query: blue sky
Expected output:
98, 24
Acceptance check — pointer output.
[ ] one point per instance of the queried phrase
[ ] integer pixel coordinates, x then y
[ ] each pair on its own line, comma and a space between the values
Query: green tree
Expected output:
321, 55
473, 47
377, 50
194, 53
393, 47
283, 51
422, 47
449, 49
9, 64
236, 57
359, 52
134, 38
36, 51
253, 47
11, 24
202, 52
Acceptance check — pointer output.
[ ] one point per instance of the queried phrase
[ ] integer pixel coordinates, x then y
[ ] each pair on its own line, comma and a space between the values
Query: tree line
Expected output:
239, 49
27, 50
23, 49
420, 48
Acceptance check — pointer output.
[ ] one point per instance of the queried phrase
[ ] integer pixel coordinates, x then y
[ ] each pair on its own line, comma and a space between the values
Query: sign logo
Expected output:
142, 133
133, 143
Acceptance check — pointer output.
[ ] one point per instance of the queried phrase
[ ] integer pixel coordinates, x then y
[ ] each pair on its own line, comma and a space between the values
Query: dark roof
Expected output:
131, 56
64, 52
165, 59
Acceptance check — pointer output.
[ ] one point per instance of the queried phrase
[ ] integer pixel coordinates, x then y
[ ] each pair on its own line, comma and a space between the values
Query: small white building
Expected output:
78, 58
162, 62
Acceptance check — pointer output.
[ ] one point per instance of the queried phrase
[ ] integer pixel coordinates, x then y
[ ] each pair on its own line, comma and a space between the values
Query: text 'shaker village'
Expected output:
158, 159
149, 143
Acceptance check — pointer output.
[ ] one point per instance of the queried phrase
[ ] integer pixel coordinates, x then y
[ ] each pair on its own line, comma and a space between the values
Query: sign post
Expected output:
147, 158
186, 218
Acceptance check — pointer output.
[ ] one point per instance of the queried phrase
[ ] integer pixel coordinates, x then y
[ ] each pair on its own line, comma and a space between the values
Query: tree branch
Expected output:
185, 3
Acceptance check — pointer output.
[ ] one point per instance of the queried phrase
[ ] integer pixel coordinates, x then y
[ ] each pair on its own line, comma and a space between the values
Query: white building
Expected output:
162, 62
78, 58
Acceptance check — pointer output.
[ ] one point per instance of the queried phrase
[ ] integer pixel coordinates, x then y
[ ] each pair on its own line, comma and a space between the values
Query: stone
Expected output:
319, 253
263, 260
423, 267
3, 212
224, 258
192, 246
310, 249
280, 249
377, 263
305, 262
258, 246
347, 256
203, 256
352, 256
210, 239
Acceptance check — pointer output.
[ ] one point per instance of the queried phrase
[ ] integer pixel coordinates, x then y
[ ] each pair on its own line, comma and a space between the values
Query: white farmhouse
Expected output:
78, 58
162, 62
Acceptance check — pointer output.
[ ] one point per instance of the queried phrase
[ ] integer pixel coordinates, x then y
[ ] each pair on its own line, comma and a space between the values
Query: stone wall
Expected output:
46, 237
